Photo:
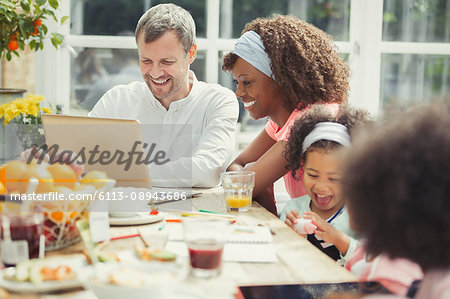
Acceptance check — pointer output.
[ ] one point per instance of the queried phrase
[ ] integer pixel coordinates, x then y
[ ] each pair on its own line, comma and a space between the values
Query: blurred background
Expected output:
398, 50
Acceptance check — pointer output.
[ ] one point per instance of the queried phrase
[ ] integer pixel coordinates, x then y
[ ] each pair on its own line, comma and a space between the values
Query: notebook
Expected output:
250, 244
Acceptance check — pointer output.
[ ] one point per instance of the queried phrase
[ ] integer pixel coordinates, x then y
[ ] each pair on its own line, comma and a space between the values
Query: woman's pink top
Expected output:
293, 187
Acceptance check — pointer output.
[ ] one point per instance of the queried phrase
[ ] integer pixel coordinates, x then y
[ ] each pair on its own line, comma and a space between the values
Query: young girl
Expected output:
314, 147
281, 65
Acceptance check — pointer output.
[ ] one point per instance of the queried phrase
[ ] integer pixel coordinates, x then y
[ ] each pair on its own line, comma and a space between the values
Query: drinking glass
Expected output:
205, 239
21, 236
238, 188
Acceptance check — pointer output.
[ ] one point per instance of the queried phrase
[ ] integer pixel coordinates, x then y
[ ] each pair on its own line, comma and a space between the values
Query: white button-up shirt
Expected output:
196, 132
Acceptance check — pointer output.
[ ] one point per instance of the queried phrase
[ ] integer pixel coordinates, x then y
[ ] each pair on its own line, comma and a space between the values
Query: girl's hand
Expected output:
291, 218
329, 233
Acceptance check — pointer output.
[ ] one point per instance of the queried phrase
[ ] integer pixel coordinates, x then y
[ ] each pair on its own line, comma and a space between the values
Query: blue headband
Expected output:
251, 48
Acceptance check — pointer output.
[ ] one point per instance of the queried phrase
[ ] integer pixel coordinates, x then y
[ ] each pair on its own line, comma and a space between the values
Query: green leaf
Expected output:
33, 44
41, 46
7, 4
64, 19
8, 55
59, 37
48, 12
40, 2
53, 3
15, 53
44, 29
21, 44
25, 4
54, 42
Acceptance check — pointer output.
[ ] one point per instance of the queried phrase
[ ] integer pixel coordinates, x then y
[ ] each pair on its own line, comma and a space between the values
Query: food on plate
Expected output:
148, 254
102, 256
133, 278
36, 271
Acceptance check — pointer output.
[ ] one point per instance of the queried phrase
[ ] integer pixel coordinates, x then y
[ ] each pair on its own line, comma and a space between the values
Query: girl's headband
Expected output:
327, 131
251, 48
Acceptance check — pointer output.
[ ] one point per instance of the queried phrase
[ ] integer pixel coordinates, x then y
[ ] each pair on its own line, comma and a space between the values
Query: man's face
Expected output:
164, 66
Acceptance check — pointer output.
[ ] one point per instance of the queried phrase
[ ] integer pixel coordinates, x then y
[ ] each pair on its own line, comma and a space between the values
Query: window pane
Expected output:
331, 16
416, 20
407, 78
95, 71
109, 17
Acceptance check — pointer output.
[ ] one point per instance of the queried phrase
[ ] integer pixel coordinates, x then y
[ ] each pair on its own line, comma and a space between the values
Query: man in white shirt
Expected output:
192, 121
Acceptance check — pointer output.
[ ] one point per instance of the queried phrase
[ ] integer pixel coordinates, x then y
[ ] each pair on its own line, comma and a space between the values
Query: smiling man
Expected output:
193, 121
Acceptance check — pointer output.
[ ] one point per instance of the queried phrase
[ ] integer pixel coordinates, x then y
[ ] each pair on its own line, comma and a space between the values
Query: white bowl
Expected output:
156, 279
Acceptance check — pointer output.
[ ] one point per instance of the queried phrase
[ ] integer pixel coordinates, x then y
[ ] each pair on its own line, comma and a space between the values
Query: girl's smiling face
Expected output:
321, 179
259, 93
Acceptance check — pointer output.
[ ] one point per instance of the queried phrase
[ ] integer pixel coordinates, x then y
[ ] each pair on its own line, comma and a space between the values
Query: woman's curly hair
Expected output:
397, 184
351, 118
304, 61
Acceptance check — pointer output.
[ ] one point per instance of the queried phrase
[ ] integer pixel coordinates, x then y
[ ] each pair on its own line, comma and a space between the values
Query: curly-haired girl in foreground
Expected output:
397, 183
314, 146
281, 65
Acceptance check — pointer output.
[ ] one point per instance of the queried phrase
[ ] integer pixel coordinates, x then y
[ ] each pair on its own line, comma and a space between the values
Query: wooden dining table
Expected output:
297, 260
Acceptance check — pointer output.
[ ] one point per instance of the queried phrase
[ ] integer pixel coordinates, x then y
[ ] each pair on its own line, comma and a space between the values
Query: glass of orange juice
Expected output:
238, 188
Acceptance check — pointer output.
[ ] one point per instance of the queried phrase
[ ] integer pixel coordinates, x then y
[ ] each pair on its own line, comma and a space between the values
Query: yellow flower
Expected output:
28, 107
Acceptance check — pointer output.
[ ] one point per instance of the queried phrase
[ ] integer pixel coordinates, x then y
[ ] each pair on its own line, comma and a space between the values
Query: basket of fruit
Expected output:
56, 191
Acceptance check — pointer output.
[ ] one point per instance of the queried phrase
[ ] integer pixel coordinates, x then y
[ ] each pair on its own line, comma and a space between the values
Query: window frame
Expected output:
365, 48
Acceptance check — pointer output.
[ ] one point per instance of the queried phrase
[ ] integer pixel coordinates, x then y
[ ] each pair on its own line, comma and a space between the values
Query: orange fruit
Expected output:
38, 22
63, 175
2, 174
2, 188
11, 173
57, 216
44, 177
36, 162
13, 45
96, 178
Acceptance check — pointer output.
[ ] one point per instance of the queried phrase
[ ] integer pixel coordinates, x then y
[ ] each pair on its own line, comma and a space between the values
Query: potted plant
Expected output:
23, 22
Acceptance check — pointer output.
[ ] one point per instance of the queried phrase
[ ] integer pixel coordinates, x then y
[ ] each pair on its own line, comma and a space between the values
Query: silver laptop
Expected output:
112, 145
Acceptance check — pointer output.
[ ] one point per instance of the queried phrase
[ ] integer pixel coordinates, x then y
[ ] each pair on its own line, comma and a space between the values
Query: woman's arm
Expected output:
270, 167
252, 152
269, 162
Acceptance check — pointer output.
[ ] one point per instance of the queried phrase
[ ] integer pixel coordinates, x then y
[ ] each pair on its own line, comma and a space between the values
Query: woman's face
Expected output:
260, 95
321, 178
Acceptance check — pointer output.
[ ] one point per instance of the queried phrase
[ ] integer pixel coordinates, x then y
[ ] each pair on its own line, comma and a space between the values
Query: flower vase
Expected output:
7, 95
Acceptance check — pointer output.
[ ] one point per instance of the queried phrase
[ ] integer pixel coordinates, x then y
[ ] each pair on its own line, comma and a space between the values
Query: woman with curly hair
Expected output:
281, 66
314, 150
397, 184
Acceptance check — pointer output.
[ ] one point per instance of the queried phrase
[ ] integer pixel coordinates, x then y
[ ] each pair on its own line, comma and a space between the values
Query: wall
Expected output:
19, 72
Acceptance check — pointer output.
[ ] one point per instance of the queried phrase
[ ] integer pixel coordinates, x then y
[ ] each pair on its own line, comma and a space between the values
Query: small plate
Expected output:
139, 218
47, 286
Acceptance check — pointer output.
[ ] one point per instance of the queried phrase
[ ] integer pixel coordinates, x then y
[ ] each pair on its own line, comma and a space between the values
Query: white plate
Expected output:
139, 218
97, 279
47, 286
